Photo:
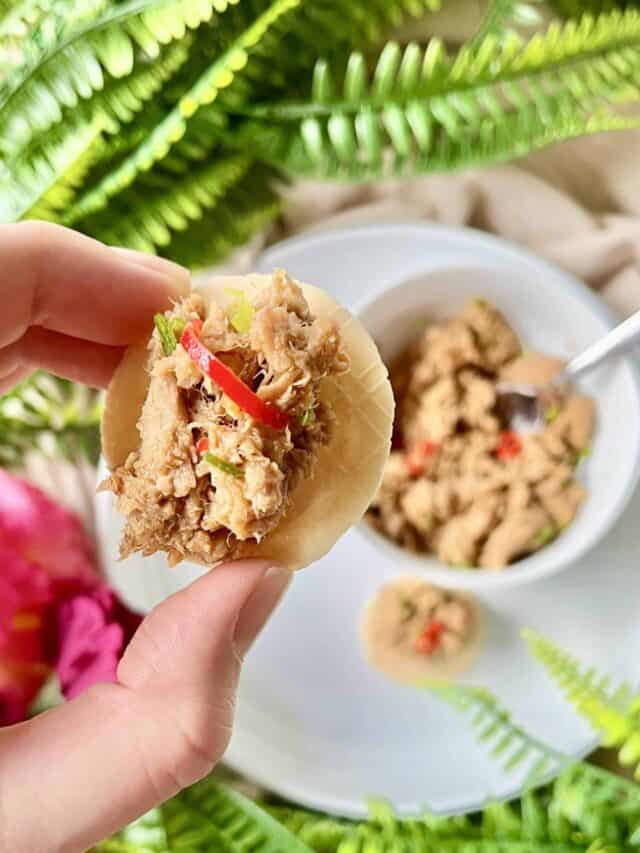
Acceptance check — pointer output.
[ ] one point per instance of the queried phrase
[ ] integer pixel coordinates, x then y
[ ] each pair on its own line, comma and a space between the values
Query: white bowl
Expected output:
551, 313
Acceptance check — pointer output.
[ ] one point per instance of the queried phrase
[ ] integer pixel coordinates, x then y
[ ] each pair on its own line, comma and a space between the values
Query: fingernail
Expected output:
260, 605
179, 276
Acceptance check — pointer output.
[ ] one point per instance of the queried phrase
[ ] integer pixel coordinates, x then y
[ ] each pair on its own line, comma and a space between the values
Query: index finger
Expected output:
63, 281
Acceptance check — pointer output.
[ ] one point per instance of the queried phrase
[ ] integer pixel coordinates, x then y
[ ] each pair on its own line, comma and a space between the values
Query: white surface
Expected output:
314, 722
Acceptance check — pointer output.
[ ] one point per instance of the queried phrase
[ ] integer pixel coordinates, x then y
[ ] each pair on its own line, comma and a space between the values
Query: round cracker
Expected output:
348, 470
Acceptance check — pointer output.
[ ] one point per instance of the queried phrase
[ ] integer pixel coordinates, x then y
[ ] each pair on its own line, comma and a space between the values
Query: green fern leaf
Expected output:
515, 748
22, 22
508, 743
43, 182
147, 216
293, 31
320, 832
575, 8
248, 208
615, 713
324, 27
18, 19
67, 60
586, 801
204, 133
121, 99
421, 107
240, 823
563, 820
168, 829
49, 415
172, 128
504, 17
594, 804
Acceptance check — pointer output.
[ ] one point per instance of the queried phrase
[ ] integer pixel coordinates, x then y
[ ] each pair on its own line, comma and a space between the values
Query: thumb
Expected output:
204, 629
123, 748
182, 667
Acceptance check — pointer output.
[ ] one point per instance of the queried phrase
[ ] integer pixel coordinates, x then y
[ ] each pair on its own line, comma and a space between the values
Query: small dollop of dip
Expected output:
413, 631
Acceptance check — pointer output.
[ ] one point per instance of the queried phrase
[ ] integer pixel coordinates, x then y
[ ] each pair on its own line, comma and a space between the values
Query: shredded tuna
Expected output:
202, 505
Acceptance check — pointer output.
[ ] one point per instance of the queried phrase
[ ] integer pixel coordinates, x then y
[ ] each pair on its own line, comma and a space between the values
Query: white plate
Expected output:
314, 723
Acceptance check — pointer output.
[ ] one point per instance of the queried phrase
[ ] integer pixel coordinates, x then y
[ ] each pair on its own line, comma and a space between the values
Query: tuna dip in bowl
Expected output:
459, 485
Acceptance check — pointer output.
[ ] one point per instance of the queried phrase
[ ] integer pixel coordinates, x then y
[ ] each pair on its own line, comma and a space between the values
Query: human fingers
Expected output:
65, 282
72, 358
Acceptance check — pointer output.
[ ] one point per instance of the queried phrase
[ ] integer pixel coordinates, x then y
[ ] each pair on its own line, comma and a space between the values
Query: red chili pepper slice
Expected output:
229, 383
429, 640
509, 445
418, 455
203, 445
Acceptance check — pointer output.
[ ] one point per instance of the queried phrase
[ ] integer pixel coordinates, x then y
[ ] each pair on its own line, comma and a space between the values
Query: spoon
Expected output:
523, 405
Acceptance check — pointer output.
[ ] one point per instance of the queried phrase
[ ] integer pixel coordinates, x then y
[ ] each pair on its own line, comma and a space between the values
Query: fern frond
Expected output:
515, 135
614, 712
503, 18
521, 827
147, 217
247, 209
320, 832
21, 23
585, 802
241, 823
418, 101
167, 829
514, 747
292, 30
18, 19
43, 182
68, 59
575, 8
511, 745
204, 133
329, 28
122, 98
172, 128
50, 415
595, 805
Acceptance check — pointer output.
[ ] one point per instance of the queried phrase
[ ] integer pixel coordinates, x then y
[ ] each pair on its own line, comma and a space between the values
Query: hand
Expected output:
70, 304
74, 775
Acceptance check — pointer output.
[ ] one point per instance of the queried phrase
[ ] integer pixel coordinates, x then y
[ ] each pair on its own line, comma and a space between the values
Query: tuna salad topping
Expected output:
458, 484
232, 421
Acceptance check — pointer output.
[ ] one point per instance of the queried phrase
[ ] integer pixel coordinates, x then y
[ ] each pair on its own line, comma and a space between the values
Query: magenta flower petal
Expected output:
43, 531
91, 640
54, 610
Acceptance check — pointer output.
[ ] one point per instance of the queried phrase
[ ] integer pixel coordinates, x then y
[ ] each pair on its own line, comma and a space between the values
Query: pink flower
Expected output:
43, 531
55, 613
93, 630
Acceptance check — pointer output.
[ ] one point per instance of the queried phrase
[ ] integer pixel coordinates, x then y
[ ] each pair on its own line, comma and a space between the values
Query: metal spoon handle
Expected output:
619, 339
